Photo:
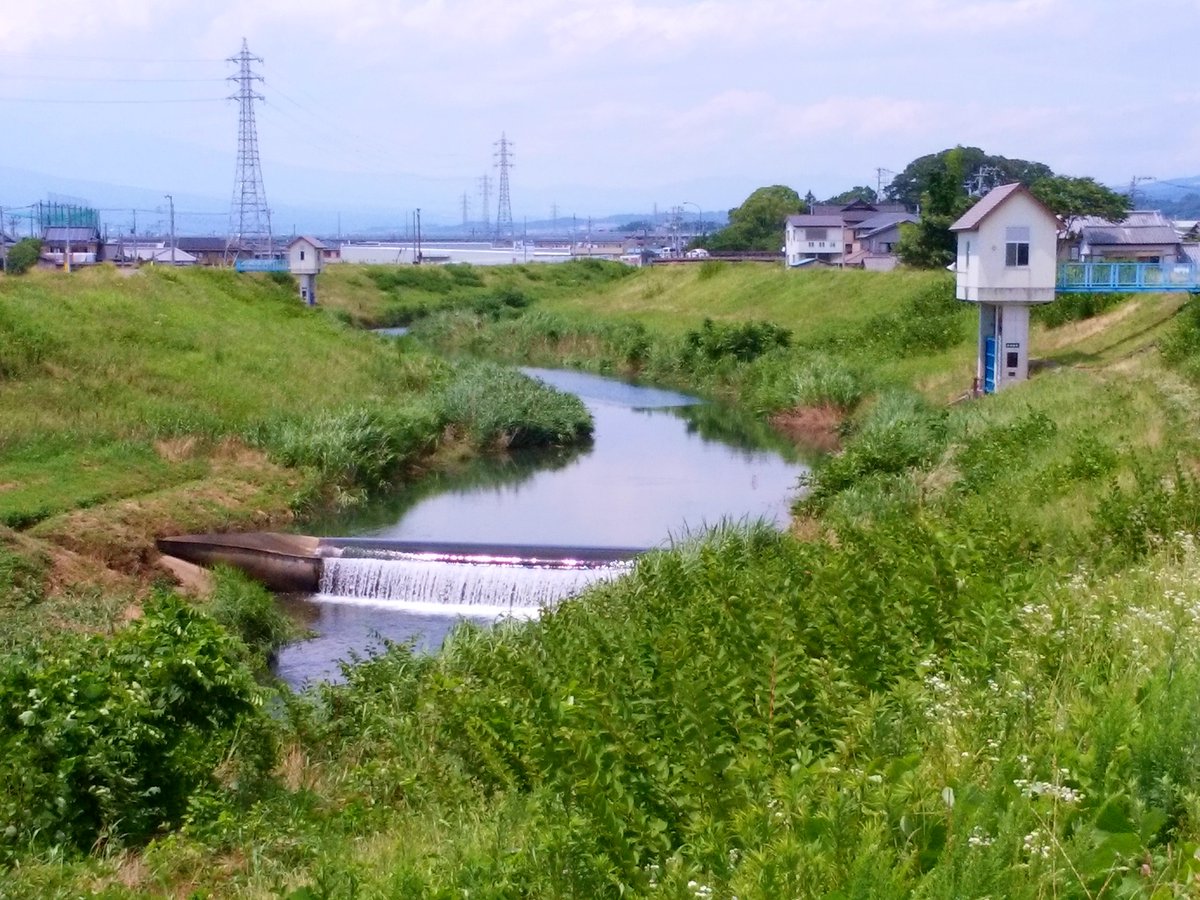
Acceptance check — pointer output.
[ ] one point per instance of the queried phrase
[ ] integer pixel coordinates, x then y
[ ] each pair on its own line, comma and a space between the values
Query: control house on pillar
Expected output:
1007, 262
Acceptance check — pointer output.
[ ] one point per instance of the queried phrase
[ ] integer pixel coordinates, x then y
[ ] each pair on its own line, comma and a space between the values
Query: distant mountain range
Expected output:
1177, 198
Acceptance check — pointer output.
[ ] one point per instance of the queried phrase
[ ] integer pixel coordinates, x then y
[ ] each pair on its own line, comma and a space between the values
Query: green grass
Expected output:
977, 678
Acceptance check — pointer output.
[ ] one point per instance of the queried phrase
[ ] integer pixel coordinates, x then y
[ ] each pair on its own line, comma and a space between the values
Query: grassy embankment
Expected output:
977, 678
193, 401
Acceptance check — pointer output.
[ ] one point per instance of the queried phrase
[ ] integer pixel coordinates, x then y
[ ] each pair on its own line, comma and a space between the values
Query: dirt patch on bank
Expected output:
814, 427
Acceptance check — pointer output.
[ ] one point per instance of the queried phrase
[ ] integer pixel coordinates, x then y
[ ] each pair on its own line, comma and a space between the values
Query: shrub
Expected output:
23, 256
1140, 518
248, 610
1075, 307
104, 739
742, 341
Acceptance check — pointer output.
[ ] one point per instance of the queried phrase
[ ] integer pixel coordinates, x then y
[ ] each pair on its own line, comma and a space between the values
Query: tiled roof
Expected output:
1140, 227
882, 222
816, 221
73, 233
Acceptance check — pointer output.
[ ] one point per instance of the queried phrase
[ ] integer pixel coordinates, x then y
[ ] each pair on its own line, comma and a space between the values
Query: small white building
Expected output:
1007, 262
306, 258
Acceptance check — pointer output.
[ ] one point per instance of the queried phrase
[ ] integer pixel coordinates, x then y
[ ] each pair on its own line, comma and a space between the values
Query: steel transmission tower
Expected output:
485, 193
504, 219
249, 216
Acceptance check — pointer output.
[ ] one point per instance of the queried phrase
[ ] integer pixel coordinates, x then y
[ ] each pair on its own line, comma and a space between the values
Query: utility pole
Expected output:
417, 228
1133, 183
171, 200
554, 218
466, 206
880, 173
3, 244
136, 261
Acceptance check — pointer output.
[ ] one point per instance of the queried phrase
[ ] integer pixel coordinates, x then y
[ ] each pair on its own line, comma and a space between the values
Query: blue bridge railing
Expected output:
1127, 277
261, 265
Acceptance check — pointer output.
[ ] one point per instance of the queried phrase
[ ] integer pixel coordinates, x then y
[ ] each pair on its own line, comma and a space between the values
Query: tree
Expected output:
909, 185
858, 192
929, 243
1072, 198
23, 256
759, 222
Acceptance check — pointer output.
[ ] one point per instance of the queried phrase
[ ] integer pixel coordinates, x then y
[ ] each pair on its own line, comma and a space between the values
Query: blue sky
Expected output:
375, 108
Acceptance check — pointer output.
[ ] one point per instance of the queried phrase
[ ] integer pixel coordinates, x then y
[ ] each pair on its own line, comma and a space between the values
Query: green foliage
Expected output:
249, 611
858, 192
928, 321
1075, 308
711, 268
110, 740
1000, 448
930, 244
920, 176
1181, 346
284, 280
23, 256
1071, 198
431, 279
22, 575
502, 407
1139, 518
759, 222
898, 434
740, 341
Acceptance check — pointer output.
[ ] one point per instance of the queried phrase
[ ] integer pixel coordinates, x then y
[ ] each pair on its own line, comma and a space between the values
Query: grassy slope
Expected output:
162, 402
662, 732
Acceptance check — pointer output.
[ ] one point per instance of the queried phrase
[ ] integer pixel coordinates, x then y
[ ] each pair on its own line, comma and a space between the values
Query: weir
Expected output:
432, 577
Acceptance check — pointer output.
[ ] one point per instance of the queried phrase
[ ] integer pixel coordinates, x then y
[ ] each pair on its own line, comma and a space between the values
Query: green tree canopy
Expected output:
759, 222
1070, 198
23, 256
929, 243
858, 192
987, 170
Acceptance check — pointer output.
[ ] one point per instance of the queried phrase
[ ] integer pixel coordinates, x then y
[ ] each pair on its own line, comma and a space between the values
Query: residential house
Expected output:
83, 243
829, 234
1007, 262
1143, 236
212, 250
875, 241
153, 252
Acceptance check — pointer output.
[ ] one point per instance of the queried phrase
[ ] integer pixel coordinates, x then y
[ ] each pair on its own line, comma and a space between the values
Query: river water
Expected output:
661, 465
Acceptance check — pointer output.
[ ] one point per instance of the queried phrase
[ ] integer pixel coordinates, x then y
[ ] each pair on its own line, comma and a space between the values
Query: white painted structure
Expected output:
306, 258
1007, 262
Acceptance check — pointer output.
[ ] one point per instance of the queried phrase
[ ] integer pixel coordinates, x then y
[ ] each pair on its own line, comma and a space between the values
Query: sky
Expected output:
377, 107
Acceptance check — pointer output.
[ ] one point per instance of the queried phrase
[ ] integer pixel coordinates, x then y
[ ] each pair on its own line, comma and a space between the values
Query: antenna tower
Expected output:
249, 217
504, 219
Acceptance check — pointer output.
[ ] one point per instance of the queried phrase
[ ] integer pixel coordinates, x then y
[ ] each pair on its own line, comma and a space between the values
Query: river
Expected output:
661, 465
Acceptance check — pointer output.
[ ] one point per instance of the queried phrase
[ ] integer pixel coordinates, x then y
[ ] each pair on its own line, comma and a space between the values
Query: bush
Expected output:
1075, 307
248, 610
109, 739
932, 320
743, 342
23, 256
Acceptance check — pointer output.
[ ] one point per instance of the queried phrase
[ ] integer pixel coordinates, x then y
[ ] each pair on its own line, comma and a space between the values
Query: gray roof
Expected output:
1140, 227
319, 245
210, 244
991, 201
73, 233
816, 221
882, 222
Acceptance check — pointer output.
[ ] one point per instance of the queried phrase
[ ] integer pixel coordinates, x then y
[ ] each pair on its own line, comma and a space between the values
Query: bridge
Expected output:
1127, 278
261, 265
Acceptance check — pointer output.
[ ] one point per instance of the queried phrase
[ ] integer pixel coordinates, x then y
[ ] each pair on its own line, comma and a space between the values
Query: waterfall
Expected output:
460, 584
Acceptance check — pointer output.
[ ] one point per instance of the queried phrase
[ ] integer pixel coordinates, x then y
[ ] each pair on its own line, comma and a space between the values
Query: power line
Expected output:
74, 101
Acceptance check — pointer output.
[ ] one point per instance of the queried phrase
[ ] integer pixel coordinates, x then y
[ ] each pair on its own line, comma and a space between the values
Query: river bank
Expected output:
974, 678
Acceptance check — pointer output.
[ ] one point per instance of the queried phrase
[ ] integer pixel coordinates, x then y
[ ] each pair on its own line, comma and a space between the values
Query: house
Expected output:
212, 250
1007, 261
152, 251
830, 234
82, 242
1143, 236
875, 241
306, 258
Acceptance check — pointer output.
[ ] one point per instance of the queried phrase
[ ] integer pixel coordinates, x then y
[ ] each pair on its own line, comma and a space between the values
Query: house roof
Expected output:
993, 200
209, 244
1139, 227
73, 233
816, 221
882, 222
319, 245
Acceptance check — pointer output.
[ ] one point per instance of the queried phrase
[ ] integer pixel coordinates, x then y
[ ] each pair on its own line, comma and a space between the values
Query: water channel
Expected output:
661, 465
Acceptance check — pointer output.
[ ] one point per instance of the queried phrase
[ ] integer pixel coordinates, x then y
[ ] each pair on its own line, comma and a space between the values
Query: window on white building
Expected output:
815, 234
1016, 246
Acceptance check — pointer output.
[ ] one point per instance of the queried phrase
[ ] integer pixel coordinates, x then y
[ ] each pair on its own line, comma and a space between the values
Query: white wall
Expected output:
984, 277
310, 264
